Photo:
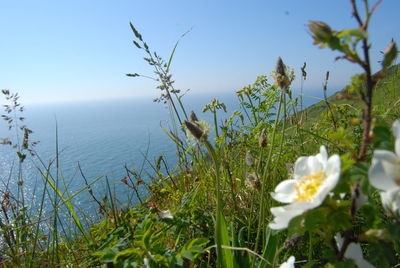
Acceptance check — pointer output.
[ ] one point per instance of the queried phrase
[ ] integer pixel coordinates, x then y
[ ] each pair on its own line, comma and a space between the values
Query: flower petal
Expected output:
285, 191
284, 214
384, 170
354, 252
391, 201
323, 155
396, 128
396, 133
289, 263
305, 166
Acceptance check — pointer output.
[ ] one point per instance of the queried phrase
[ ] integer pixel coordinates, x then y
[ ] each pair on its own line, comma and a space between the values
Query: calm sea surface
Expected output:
102, 137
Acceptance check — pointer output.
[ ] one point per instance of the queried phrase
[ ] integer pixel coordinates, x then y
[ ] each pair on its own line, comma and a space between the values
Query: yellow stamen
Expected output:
308, 186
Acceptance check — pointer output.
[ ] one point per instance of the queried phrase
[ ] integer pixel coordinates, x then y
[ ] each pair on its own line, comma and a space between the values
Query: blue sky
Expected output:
81, 50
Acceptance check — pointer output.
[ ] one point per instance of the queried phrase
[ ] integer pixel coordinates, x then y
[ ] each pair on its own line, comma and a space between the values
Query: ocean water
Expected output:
102, 137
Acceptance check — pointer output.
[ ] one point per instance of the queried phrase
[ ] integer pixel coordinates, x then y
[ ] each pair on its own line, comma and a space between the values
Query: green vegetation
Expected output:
217, 210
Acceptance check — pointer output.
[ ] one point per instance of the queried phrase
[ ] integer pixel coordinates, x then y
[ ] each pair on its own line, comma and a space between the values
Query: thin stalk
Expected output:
263, 182
214, 111
252, 109
218, 235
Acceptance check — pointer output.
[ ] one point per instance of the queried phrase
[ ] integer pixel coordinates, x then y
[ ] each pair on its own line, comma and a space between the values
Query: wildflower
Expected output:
166, 214
199, 130
289, 263
314, 177
384, 173
283, 75
353, 252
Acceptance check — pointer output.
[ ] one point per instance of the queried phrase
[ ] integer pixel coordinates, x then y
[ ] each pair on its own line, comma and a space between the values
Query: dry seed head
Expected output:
193, 117
252, 181
199, 129
262, 139
282, 75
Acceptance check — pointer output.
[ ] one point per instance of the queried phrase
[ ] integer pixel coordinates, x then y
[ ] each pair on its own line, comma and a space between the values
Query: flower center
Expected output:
307, 188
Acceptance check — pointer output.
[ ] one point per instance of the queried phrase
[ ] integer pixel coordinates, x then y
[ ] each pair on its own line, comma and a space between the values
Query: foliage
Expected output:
215, 209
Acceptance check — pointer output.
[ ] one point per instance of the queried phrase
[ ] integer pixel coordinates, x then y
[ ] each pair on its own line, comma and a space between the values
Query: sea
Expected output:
98, 141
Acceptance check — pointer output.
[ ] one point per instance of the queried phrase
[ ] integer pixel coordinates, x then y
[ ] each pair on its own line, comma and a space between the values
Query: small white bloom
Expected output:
353, 252
166, 214
289, 263
384, 173
314, 177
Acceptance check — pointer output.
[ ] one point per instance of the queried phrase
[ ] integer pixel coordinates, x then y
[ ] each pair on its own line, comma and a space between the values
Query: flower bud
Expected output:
320, 31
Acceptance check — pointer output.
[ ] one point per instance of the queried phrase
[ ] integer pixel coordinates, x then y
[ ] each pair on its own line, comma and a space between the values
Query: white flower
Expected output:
289, 263
353, 252
384, 173
166, 214
314, 177
391, 201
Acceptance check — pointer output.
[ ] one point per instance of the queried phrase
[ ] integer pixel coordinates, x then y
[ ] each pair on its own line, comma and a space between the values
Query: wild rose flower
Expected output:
314, 177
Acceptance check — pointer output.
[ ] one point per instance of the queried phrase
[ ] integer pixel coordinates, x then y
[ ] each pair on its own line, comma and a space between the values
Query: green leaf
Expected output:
390, 55
358, 33
136, 33
136, 44
271, 245
227, 258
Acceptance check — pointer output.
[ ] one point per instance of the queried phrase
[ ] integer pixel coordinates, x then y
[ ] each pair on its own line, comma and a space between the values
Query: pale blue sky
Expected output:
82, 49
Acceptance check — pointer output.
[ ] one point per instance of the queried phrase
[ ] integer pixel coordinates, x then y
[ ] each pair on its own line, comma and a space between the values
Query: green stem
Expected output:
263, 183
218, 235
215, 123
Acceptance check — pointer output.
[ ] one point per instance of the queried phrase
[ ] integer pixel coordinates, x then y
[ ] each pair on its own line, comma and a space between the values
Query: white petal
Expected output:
323, 155
333, 166
396, 128
391, 200
397, 147
301, 168
289, 263
396, 133
314, 165
284, 214
354, 252
285, 191
384, 170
